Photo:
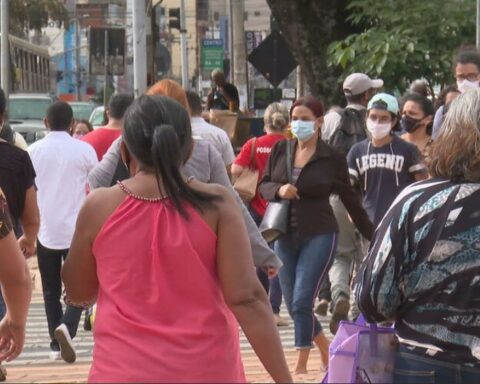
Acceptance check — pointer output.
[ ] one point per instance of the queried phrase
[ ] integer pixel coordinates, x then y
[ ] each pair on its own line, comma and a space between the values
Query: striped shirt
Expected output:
423, 268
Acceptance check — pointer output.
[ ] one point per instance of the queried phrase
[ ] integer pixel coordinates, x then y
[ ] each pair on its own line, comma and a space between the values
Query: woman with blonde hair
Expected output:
423, 265
276, 120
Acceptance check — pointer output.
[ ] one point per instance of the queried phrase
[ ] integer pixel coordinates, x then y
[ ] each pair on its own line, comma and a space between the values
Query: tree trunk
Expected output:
309, 26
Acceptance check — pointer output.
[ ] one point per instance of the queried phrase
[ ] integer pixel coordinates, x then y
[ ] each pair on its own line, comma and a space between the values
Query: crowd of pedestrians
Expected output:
140, 218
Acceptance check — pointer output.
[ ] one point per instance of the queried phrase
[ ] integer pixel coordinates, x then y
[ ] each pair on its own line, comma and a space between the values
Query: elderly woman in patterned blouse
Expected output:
423, 266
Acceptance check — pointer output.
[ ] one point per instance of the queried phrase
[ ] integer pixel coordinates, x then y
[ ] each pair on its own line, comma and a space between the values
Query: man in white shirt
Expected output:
215, 135
62, 164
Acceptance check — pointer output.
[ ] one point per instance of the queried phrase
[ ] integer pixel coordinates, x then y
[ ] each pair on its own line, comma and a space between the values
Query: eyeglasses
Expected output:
468, 76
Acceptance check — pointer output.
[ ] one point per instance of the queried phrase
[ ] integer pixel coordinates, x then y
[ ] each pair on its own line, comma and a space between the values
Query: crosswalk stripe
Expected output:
37, 342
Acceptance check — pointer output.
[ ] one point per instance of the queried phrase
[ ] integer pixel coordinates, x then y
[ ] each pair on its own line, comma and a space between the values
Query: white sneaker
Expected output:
67, 351
55, 355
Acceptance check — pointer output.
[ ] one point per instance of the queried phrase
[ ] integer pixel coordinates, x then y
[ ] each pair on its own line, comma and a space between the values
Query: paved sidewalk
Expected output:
34, 365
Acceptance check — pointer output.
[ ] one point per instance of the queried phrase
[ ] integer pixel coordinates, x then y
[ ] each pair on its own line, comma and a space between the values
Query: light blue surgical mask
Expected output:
303, 130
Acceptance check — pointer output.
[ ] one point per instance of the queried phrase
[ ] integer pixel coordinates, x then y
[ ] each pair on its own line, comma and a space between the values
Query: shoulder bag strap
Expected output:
252, 153
289, 161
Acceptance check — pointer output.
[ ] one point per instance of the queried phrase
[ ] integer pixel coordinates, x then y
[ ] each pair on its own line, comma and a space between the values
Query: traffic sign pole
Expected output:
139, 48
5, 56
183, 45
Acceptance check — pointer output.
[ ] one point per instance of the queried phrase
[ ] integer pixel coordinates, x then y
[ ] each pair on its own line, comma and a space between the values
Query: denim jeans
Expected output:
305, 264
415, 368
3, 307
50, 265
271, 286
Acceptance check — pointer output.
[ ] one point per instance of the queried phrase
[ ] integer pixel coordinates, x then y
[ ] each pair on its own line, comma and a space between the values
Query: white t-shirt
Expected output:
62, 164
216, 136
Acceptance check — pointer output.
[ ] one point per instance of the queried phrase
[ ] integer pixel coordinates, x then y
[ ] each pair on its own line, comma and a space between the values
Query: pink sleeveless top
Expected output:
161, 315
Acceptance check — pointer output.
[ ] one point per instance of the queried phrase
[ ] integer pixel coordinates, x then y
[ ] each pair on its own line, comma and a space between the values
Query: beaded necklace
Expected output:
147, 199
137, 197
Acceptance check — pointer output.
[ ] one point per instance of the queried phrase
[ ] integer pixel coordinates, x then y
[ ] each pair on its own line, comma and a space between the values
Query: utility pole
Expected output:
478, 25
183, 45
5, 53
105, 67
239, 52
77, 52
139, 47
230, 37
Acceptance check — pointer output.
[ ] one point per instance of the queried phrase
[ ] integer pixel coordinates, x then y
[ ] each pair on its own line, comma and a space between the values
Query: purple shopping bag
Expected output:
361, 353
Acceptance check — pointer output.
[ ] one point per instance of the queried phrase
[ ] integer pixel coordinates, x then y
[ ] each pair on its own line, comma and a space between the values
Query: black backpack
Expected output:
351, 130
121, 173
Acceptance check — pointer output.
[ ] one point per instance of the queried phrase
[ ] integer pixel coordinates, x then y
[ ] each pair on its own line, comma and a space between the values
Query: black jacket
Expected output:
325, 173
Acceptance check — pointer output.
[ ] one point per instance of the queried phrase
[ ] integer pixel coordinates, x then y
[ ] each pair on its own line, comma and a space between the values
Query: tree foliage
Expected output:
26, 15
405, 40
309, 26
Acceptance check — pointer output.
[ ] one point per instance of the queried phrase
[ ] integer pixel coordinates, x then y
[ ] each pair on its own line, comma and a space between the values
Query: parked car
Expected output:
98, 118
82, 110
26, 113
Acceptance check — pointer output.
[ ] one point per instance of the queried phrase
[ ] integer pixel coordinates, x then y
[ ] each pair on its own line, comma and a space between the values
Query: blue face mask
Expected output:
303, 130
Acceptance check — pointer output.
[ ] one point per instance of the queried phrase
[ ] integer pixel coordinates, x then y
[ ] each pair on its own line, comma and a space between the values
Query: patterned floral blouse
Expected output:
423, 268
5, 219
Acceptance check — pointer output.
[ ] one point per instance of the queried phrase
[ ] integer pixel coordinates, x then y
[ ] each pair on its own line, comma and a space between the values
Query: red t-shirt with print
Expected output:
263, 147
101, 139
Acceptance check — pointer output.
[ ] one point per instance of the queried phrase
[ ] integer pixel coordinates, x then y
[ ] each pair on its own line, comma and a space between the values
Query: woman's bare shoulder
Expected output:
102, 195
100, 204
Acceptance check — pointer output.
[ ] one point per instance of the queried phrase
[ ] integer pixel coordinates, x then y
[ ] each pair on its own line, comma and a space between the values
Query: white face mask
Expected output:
377, 130
465, 85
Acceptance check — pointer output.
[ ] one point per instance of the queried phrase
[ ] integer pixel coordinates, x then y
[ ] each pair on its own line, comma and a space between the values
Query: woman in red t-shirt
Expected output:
276, 120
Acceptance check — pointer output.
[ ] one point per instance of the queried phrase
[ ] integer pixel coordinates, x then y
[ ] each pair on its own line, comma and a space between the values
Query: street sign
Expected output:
115, 61
289, 93
212, 54
273, 59
252, 40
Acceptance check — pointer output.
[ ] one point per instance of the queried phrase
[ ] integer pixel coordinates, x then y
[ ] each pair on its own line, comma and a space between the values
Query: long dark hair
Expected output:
158, 134
425, 105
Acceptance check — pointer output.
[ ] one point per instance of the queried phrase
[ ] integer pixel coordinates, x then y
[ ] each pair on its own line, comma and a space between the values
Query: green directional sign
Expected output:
212, 54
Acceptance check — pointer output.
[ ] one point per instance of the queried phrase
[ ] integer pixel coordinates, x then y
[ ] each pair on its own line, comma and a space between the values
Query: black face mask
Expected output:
409, 124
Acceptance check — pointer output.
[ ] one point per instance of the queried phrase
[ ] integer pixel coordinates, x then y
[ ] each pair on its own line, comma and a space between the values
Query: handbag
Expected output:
246, 183
361, 353
275, 221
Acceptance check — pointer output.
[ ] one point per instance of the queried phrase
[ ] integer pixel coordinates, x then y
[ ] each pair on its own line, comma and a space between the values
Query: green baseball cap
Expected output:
384, 101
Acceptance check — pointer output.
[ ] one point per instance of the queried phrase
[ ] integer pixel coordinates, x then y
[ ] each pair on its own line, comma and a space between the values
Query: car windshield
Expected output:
98, 117
82, 111
28, 109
